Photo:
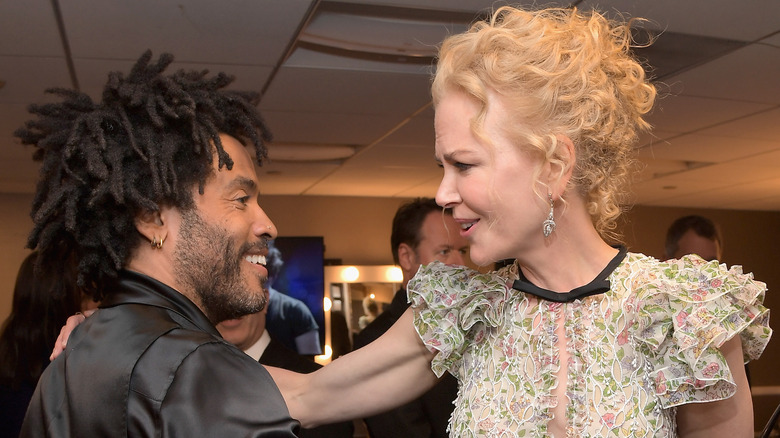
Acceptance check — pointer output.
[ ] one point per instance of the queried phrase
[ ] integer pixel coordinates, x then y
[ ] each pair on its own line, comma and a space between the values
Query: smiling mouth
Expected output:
467, 226
256, 259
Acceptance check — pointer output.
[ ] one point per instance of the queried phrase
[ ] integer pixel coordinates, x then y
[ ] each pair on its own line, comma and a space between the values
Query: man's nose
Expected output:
263, 225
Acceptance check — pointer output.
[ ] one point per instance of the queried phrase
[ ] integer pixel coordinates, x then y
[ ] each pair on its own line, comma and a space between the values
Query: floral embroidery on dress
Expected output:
636, 351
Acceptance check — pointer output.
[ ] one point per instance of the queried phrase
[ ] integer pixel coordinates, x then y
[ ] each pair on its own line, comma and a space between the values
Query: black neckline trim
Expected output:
599, 285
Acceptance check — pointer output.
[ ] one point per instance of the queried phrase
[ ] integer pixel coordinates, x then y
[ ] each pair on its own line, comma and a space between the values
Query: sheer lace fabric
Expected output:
648, 344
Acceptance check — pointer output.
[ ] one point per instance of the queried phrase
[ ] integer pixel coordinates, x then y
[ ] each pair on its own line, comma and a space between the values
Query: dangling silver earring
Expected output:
548, 226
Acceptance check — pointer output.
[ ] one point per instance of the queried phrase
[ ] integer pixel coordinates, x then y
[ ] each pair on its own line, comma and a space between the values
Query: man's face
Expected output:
222, 241
440, 240
692, 243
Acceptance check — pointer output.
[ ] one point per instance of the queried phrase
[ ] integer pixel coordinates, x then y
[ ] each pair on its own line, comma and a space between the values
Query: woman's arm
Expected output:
729, 418
385, 374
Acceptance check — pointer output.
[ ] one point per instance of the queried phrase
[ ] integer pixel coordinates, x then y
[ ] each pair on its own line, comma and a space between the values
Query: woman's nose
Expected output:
447, 195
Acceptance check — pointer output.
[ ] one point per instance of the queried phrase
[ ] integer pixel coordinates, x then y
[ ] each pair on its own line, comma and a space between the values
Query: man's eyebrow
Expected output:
242, 182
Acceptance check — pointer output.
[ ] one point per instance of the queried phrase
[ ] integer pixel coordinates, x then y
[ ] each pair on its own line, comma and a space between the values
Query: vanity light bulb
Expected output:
327, 304
394, 275
350, 274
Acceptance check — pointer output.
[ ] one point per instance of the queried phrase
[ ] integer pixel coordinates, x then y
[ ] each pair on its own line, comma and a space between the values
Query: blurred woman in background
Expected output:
42, 301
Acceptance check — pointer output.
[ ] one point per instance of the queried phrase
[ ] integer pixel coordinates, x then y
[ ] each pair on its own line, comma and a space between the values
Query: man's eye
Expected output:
243, 200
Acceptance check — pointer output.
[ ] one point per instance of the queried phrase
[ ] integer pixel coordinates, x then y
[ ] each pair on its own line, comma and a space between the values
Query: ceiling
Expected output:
352, 78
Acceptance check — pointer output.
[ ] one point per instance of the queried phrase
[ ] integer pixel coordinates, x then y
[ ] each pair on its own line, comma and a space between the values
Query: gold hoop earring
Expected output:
157, 243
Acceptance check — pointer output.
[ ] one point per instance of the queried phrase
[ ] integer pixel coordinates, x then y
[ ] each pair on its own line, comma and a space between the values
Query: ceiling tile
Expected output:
660, 191
240, 32
363, 174
651, 168
773, 40
706, 148
748, 74
721, 109
744, 20
348, 92
655, 136
687, 114
724, 197
760, 126
443, 5
26, 78
291, 178
29, 28
303, 58
378, 34
754, 168
416, 131
317, 127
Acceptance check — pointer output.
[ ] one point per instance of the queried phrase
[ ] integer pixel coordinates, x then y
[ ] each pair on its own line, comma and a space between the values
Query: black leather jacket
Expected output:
149, 363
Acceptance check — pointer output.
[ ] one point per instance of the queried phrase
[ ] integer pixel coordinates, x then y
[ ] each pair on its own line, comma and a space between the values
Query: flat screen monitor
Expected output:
302, 275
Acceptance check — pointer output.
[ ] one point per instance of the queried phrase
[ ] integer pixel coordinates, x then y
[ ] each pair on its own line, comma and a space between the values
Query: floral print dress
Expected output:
636, 351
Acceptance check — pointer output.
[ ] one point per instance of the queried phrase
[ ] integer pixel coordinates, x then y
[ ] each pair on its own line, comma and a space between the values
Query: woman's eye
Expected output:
461, 166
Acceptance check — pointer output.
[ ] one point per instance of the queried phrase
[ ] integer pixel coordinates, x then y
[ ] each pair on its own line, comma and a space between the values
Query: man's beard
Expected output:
207, 261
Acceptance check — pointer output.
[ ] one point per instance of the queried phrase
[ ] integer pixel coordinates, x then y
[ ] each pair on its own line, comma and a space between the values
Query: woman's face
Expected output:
488, 186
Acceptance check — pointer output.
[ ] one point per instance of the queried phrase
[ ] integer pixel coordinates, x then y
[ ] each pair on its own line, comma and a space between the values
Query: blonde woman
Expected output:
536, 115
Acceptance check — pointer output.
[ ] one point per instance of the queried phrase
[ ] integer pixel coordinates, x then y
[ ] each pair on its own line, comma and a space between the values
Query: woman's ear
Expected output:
562, 170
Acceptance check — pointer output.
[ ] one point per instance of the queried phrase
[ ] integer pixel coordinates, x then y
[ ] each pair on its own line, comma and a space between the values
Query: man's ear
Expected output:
407, 258
561, 171
151, 225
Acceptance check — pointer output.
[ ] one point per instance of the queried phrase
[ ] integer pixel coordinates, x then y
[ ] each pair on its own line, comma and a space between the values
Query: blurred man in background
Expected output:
422, 232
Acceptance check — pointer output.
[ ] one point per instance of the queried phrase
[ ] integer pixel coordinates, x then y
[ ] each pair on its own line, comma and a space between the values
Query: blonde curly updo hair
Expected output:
558, 72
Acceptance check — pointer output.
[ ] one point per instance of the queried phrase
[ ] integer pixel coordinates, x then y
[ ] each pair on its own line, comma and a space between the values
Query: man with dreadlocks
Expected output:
156, 193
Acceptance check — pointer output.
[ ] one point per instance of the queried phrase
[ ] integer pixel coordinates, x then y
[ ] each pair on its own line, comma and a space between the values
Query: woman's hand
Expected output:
70, 324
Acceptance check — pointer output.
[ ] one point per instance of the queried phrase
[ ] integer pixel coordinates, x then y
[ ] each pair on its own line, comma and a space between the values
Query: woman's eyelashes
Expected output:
458, 165
462, 166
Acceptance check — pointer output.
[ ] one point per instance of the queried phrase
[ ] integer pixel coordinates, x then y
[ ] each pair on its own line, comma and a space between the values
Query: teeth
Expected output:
467, 226
256, 259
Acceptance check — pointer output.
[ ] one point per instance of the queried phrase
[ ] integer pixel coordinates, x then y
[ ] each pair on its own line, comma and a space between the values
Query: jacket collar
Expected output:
137, 288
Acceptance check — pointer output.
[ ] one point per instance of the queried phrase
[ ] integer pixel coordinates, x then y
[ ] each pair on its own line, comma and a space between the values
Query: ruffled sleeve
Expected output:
453, 304
686, 313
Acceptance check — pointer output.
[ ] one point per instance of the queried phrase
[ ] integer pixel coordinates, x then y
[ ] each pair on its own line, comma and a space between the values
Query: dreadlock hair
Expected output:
146, 144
